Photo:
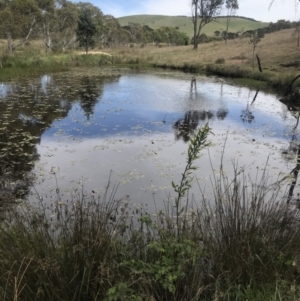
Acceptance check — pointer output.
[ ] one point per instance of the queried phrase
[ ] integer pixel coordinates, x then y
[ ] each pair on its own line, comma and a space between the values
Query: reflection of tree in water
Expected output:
222, 113
193, 89
186, 126
25, 114
247, 114
89, 94
291, 153
295, 173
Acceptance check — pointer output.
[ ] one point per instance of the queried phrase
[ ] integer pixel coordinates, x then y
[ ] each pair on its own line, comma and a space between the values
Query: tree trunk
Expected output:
258, 62
253, 56
230, 11
195, 19
227, 27
9, 43
48, 44
27, 37
66, 43
47, 37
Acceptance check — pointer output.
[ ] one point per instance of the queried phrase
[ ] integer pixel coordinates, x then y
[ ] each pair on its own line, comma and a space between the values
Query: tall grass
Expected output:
241, 245
31, 63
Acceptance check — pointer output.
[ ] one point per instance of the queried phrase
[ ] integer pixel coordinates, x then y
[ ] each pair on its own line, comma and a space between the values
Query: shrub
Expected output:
220, 61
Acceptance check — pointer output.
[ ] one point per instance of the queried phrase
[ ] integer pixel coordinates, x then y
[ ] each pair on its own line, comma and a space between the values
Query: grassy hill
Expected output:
278, 53
185, 23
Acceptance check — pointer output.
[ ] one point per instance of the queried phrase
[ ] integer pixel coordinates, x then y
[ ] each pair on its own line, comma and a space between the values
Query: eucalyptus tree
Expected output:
254, 40
137, 32
57, 23
18, 18
67, 16
204, 12
86, 29
113, 33
96, 16
231, 7
47, 21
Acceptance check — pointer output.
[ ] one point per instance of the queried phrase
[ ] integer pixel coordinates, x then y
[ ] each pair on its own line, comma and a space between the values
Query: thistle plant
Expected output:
197, 143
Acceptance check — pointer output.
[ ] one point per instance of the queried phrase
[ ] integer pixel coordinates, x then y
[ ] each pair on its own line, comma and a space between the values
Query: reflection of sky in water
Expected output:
45, 82
141, 103
4, 90
146, 166
131, 134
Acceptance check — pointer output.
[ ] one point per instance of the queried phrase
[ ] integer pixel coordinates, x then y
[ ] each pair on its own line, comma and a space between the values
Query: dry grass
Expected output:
273, 50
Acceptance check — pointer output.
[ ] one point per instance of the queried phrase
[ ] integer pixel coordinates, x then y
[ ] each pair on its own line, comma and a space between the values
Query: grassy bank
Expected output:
27, 63
241, 245
278, 53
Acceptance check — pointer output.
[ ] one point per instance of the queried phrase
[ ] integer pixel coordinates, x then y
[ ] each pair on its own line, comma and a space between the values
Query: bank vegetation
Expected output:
278, 53
243, 244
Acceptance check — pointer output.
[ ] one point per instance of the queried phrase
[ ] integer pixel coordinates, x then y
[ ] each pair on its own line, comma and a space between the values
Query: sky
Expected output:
256, 9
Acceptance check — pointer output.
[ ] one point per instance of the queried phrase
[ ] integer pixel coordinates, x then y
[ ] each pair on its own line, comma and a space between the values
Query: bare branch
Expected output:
296, 4
28, 35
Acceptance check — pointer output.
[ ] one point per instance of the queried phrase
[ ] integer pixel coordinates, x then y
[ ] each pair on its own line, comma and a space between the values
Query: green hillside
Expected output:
185, 23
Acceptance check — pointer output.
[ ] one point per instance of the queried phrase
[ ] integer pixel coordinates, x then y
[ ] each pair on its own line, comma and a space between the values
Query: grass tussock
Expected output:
241, 245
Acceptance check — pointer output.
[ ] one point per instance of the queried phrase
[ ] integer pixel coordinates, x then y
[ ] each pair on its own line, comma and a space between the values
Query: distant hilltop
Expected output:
240, 17
184, 24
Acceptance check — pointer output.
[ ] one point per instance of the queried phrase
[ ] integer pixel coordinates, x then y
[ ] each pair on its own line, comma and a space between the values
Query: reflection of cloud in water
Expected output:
148, 165
146, 100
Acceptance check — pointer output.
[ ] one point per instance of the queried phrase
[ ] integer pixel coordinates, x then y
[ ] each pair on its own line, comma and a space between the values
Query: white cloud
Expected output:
260, 10
256, 9
167, 7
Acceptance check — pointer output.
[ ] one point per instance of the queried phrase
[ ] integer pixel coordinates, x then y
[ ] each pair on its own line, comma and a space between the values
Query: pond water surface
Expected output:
75, 130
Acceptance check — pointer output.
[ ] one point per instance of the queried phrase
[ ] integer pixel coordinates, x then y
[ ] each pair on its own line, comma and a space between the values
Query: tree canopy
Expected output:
86, 29
204, 12
62, 24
